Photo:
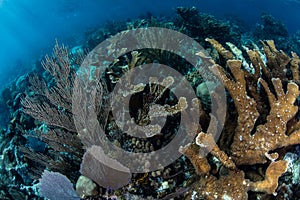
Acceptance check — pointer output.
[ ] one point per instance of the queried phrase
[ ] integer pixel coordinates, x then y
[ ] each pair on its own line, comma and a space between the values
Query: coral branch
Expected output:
246, 106
269, 185
277, 60
224, 52
200, 163
295, 66
207, 141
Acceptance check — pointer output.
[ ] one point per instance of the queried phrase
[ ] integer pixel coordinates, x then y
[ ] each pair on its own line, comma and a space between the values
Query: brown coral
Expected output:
232, 184
268, 136
259, 131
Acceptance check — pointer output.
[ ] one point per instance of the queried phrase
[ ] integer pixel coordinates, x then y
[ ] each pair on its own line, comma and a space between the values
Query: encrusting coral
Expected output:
255, 140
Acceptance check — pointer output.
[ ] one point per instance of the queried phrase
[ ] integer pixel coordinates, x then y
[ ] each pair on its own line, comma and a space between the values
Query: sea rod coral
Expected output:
259, 130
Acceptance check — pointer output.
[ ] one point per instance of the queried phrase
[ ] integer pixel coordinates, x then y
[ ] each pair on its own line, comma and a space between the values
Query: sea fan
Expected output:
55, 186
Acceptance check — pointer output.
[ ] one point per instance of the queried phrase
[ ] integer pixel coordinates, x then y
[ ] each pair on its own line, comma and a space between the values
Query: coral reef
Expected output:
201, 25
274, 29
256, 156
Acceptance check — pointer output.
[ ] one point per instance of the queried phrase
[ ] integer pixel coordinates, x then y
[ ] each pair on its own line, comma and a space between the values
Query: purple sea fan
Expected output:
55, 186
105, 171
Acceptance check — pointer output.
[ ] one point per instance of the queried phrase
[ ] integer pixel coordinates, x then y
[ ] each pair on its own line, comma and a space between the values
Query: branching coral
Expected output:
232, 184
254, 139
268, 136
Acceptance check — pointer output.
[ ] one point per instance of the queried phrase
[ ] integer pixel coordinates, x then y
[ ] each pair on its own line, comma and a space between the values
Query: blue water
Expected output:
28, 28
